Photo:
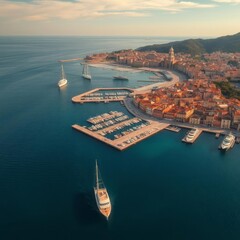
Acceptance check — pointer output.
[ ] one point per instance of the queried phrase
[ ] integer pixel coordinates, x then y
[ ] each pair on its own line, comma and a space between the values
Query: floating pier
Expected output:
70, 60
92, 96
125, 141
173, 129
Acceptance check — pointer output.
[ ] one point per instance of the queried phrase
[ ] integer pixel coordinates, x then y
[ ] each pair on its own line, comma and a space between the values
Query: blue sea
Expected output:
159, 188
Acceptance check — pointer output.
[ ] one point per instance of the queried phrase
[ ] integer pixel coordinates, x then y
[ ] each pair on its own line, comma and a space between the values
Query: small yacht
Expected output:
85, 72
227, 142
191, 134
63, 81
101, 195
120, 78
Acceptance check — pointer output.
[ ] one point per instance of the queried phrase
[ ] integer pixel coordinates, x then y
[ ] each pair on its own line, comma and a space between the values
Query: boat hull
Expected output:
120, 78
86, 76
104, 211
190, 137
62, 82
225, 147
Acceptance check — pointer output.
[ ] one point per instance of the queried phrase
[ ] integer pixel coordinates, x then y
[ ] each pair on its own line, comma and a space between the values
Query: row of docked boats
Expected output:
227, 143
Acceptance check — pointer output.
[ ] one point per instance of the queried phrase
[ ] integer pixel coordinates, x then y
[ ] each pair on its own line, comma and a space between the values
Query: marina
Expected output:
102, 95
121, 131
127, 132
51, 173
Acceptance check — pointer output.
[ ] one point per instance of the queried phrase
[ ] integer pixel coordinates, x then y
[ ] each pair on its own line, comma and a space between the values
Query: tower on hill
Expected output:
171, 58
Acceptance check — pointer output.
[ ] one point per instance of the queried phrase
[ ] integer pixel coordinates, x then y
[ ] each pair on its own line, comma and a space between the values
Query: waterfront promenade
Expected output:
176, 77
128, 102
155, 124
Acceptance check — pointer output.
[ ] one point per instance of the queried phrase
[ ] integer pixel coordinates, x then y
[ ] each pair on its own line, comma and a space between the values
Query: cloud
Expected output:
227, 1
57, 9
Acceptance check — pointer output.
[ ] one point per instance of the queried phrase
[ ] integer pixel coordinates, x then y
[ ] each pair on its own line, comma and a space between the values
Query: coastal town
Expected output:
198, 100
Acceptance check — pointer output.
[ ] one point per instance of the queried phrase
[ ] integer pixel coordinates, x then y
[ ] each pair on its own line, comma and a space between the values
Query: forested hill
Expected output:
230, 43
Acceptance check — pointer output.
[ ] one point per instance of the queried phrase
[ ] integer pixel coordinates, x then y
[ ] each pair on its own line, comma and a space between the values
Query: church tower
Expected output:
171, 57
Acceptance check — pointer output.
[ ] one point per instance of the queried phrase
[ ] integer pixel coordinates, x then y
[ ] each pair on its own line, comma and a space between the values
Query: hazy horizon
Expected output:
153, 18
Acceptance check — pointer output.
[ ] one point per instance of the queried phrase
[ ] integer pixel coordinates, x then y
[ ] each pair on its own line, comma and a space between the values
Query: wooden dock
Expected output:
112, 127
173, 129
70, 60
128, 140
80, 98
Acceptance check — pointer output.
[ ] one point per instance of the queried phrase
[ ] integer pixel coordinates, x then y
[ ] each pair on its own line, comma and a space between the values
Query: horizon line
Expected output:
150, 36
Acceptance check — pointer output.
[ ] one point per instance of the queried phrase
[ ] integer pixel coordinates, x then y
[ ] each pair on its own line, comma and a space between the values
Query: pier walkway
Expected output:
128, 140
175, 79
70, 60
85, 97
138, 113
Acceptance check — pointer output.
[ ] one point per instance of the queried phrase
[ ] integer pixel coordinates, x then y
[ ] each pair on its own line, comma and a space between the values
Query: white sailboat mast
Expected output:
63, 75
97, 184
86, 69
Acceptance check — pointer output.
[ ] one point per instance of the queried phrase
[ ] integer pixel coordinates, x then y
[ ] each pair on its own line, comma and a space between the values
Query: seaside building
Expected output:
195, 119
226, 122
196, 102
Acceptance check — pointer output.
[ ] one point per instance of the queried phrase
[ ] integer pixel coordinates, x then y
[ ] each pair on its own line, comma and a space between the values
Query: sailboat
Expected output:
85, 72
101, 195
63, 81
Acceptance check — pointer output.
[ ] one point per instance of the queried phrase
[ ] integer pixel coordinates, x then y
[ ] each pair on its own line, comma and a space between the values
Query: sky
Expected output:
196, 18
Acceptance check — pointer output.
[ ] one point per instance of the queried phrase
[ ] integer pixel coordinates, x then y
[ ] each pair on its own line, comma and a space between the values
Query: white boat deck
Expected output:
195, 137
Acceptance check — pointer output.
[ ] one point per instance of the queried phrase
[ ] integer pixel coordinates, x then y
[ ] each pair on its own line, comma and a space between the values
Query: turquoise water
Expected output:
160, 188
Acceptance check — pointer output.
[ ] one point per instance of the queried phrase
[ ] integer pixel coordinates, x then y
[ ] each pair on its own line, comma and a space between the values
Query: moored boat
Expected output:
228, 142
189, 138
63, 81
217, 135
85, 72
120, 78
101, 196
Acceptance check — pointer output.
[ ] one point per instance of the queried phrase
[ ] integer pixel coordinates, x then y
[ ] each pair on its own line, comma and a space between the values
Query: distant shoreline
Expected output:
112, 66
176, 77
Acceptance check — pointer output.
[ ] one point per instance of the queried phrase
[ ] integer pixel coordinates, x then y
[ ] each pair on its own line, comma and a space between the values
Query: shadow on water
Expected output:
85, 208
